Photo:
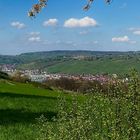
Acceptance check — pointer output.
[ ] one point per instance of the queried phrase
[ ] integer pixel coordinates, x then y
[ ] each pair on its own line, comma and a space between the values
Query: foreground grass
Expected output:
114, 116
20, 105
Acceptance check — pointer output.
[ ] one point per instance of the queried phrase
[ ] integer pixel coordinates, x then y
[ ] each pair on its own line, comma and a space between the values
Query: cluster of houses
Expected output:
40, 76
7, 68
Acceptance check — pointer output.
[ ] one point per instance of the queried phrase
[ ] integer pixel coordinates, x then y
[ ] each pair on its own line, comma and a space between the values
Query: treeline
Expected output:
71, 84
84, 86
16, 77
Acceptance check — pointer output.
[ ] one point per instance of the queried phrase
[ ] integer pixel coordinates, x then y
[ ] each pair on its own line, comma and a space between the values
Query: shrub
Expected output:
20, 77
81, 86
111, 117
4, 75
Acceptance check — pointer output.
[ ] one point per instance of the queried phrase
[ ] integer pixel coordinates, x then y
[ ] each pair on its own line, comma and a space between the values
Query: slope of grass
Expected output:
108, 118
98, 66
20, 105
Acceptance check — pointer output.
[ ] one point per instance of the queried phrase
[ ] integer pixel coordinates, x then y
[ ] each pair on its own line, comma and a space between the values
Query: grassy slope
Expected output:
20, 105
98, 66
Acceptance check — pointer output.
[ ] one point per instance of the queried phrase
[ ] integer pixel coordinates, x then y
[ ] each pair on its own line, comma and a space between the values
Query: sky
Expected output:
63, 25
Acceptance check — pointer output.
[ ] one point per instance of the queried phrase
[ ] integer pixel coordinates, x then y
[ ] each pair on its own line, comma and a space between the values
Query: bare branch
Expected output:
36, 8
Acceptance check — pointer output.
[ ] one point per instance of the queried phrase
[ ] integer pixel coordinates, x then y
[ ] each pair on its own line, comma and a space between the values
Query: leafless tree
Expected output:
37, 8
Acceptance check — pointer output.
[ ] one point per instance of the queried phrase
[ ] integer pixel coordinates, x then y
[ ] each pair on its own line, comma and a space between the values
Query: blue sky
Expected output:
63, 25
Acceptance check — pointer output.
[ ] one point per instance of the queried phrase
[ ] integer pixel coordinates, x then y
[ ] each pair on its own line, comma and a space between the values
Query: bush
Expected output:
99, 117
81, 86
4, 75
62, 83
40, 85
20, 77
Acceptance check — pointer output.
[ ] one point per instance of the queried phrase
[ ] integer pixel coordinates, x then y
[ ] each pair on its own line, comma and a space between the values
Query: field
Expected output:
94, 67
96, 116
20, 105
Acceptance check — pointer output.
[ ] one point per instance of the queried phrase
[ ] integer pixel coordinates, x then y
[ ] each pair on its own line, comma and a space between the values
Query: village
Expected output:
37, 75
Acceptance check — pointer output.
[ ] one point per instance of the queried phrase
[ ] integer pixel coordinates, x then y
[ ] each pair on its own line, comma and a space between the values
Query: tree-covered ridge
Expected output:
75, 62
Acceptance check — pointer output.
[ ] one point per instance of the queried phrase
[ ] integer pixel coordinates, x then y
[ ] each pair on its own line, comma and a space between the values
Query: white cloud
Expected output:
83, 22
34, 39
50, 22
121, 39
18, 25
124, 39
136, 32
34, 33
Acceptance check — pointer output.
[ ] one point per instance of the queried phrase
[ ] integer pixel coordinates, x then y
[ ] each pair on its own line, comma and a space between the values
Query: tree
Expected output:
20, 77
4, 75
37, 8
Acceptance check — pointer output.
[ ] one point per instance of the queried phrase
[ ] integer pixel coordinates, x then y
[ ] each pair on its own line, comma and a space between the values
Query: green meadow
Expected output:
20, 105
111, 116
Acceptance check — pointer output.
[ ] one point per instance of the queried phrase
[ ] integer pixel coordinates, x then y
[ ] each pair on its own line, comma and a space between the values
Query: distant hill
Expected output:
76, 61
7, 59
